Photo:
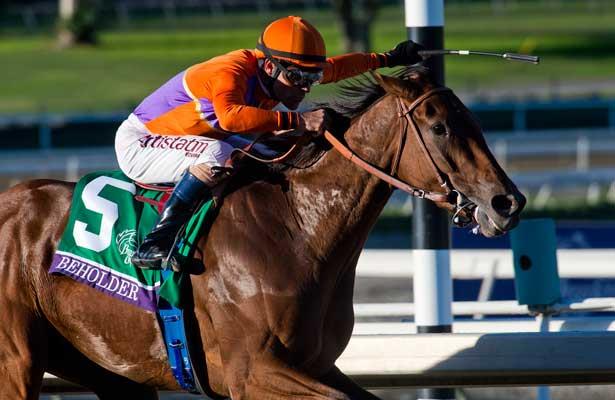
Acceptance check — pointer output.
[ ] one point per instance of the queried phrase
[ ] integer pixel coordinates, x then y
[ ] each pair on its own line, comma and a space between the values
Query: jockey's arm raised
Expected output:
352, 64
242, 109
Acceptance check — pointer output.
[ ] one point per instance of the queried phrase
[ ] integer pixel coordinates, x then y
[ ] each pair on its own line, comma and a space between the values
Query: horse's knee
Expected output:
338, 380
272, 379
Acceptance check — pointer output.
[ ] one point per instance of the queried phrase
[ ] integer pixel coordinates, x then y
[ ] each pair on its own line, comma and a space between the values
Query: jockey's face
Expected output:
290, 94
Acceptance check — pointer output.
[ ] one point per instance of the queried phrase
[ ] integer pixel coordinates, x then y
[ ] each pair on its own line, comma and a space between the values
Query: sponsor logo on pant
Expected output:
193, 147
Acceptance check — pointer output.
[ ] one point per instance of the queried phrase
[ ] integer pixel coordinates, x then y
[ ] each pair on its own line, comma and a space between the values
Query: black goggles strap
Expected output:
261, 46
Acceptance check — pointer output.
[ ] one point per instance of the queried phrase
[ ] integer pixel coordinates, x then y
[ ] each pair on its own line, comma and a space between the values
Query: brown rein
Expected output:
391, 180
299, 143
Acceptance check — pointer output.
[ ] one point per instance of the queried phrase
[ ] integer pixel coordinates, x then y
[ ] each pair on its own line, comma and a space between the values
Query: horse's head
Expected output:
443, 150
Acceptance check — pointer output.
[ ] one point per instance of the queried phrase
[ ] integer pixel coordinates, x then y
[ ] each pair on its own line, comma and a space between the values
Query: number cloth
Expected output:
106, 224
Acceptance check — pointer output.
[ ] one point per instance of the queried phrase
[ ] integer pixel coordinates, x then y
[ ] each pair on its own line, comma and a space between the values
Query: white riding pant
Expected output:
149, 158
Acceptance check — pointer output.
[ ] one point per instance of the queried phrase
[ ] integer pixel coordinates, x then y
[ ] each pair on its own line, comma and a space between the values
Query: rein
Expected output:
246, 151
391, 180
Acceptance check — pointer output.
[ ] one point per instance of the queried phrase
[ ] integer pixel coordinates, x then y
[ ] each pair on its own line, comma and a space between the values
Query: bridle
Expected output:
450, 195
462, 205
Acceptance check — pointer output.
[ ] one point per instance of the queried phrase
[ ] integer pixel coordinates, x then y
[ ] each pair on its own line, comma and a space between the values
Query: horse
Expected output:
271, 310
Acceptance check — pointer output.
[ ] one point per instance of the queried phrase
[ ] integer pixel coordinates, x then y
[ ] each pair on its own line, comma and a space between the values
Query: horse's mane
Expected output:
356, 95
353, 97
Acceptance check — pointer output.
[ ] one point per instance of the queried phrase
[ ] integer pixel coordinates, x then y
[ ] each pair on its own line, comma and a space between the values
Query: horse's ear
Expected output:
391, 84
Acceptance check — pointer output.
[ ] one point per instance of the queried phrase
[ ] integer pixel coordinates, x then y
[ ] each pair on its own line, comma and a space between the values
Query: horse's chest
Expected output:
321, 331
302, 305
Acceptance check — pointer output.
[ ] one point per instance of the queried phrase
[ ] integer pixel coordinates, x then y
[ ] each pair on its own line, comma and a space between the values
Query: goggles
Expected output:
301, 78
297, 77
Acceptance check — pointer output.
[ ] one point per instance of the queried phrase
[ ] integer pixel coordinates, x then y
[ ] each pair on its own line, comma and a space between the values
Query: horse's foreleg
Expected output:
269, 378
22, 352
336, 379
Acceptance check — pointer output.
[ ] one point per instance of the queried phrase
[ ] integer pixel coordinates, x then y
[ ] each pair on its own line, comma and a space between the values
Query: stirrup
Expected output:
172, 263
175, 260
149, 265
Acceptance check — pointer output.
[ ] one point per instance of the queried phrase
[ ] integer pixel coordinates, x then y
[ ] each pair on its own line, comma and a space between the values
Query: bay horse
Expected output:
272, 309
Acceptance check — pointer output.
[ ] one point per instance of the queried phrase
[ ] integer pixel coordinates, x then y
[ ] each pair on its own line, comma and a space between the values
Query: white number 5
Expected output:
108, 209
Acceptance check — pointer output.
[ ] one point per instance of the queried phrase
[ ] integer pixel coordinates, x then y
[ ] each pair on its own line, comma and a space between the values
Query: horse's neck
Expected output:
335, 201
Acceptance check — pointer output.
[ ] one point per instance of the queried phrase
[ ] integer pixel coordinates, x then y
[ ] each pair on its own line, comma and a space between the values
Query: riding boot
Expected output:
154, 252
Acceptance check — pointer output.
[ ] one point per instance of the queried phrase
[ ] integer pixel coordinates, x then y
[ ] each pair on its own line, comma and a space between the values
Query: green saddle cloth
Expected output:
105, 226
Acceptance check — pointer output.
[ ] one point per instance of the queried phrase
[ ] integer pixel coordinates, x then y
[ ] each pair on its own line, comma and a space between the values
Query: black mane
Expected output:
355, 95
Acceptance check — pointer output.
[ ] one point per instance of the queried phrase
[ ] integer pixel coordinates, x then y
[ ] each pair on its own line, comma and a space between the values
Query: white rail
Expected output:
474, 359
400, 310
508, 325
478, 264
470, 359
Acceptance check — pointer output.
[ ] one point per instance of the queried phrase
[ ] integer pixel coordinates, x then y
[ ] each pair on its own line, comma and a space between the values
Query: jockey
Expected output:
177, 133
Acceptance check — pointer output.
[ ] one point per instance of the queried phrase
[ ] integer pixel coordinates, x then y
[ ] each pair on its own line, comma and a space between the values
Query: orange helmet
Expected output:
295, 40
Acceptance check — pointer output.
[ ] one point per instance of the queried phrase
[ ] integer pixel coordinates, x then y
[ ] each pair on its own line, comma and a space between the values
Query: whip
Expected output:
507, 56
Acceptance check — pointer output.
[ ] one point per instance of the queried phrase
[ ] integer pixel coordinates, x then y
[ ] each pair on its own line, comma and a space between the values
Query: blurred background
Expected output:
72, 70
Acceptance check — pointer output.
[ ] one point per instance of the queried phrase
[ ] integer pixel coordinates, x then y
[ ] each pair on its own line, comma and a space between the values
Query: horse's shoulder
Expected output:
250, 213
255, 199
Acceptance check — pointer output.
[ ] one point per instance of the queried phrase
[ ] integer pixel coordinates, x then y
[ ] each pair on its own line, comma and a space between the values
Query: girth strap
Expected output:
173, 328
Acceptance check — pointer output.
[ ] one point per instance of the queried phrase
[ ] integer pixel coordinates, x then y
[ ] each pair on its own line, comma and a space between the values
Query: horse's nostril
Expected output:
504, 204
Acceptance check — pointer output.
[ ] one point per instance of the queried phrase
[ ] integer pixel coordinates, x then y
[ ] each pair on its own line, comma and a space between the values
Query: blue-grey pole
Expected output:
433, 292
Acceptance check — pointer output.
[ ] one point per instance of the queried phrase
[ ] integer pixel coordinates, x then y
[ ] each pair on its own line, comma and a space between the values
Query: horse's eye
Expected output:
439, 129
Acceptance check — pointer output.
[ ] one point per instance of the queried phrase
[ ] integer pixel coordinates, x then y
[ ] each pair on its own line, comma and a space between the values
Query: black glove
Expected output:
405, 53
